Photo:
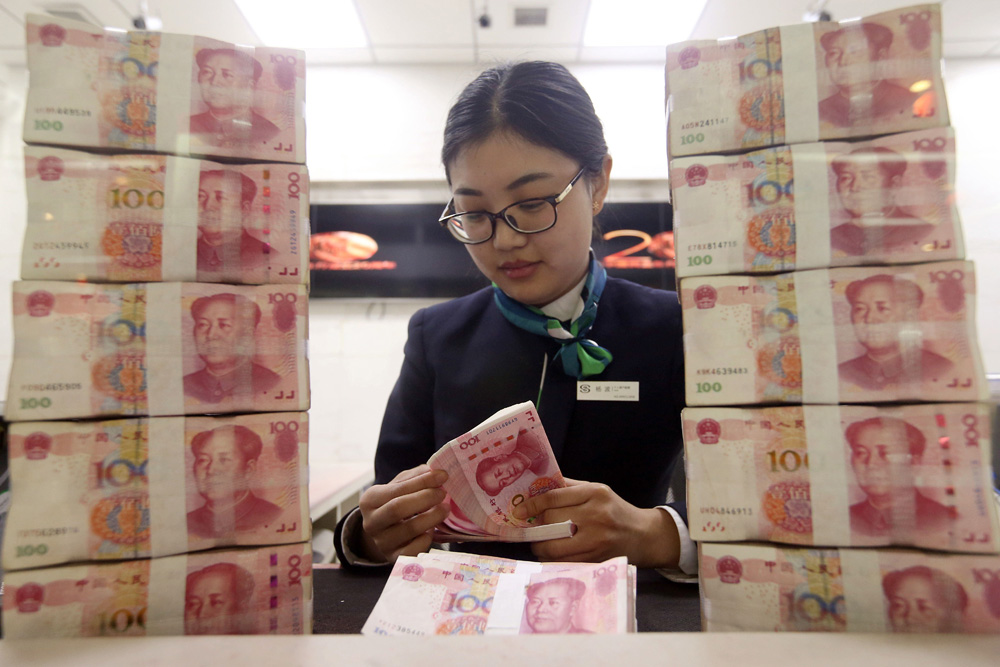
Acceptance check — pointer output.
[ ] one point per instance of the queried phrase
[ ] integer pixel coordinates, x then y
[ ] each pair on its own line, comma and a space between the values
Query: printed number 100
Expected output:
709, 387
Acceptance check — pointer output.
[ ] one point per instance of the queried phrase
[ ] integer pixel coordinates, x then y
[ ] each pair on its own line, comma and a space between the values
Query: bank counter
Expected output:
667, 614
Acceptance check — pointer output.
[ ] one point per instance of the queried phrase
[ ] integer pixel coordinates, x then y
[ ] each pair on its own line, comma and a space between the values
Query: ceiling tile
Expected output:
620, 54
430, 54
417, 22
520, 53
338, 56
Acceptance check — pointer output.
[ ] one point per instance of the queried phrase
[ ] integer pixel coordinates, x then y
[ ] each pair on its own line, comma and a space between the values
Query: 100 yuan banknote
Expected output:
886, 201
162, 92
807, 82
261, 591
768, 588
474, 595
847, 475
83, 349
153, 218
150, 487
848, 335
492, 469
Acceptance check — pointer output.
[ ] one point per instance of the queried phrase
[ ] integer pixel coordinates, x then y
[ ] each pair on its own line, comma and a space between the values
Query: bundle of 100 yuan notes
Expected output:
161, 218
807, 82
162, 92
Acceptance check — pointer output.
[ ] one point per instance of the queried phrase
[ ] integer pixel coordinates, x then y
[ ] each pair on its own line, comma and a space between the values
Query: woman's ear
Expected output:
599, 185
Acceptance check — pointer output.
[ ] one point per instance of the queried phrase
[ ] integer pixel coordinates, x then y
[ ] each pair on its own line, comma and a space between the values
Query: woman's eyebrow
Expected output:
513, 185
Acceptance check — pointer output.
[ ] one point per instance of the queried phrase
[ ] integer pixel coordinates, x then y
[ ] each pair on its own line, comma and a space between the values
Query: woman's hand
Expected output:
399, 517
606, 526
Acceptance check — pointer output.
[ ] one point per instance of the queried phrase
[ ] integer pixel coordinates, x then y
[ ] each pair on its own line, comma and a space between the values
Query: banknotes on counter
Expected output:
155, 486
768, 588
869, 334
807, 82
85, 349
843, 475
257, 591
152, 218
447, 593
162, 92
890, 200
493, 468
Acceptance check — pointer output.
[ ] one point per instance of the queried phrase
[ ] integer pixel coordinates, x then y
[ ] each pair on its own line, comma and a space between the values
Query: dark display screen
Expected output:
400, 251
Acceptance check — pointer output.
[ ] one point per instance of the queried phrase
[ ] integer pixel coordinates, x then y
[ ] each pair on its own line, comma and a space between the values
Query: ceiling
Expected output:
447, 31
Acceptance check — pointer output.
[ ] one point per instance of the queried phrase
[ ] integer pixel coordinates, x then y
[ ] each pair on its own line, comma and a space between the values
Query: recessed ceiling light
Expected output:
305, 24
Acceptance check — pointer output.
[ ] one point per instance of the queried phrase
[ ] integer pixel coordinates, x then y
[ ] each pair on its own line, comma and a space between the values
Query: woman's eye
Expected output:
530, 206
473, 218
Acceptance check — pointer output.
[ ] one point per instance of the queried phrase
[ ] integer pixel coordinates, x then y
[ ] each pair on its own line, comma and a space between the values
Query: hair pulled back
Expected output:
541, 102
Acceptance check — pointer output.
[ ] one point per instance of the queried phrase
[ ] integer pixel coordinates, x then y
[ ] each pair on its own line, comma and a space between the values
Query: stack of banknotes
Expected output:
451, 593
837, 427
491, 470
160, 382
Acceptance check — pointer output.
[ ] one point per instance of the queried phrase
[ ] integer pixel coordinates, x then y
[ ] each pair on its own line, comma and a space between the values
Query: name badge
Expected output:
604, 390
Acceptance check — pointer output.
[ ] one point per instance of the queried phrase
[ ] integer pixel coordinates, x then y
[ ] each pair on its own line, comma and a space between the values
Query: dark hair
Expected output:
879, 37
540, 102
248, 189
889, 162
247, 442
237, 301
904, 291
247, 61
575, 588
915, 439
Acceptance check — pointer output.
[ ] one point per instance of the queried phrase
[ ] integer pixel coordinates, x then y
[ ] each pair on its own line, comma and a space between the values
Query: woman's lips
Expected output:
517, 270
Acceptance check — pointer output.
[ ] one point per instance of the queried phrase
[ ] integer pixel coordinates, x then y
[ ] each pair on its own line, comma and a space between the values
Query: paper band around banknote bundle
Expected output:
162, 92
260, 591
152, 218
840, 476
845, 335
886, 201
807, 82
84, 349
768, 588
150, 487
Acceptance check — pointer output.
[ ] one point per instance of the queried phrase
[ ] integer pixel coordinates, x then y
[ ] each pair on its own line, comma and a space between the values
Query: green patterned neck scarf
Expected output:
579, 356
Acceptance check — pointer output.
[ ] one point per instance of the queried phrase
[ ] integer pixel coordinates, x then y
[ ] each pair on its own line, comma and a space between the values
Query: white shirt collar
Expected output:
569, 306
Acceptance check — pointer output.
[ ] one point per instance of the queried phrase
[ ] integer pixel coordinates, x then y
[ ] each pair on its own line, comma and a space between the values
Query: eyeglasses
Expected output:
528, 216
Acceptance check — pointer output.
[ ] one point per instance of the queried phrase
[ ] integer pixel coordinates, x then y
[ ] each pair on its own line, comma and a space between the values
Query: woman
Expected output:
525, 156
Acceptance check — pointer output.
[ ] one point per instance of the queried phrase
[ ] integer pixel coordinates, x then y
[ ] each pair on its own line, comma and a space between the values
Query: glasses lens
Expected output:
471, 227
532, 215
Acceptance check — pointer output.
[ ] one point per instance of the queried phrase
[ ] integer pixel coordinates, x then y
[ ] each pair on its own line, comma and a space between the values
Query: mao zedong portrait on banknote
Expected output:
884, 452
225, 461
497, 472
924, 599
868, 181
224, 326
217, 601
883, 310
224, 244
551, 605
227, 79
853, 56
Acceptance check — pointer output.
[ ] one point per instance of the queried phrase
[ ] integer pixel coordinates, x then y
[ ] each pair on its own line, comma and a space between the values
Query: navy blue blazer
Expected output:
464, 361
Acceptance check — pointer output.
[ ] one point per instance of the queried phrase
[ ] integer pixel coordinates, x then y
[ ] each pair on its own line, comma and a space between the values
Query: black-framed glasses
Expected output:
528, 216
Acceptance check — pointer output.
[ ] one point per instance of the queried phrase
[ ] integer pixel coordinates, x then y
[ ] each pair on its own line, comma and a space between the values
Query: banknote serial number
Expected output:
735, 511
65, 111
62, 245
714, 245
723, 371
55, 386
708, 122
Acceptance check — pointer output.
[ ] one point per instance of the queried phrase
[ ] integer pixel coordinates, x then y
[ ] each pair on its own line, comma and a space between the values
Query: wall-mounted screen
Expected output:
366, 251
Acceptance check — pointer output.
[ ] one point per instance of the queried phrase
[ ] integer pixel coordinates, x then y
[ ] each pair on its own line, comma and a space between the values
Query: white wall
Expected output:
370, 125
